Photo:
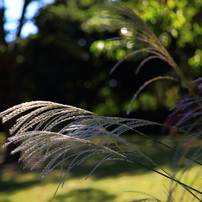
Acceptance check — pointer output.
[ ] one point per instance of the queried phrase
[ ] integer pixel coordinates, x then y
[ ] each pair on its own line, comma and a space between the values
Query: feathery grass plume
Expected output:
125, 17
189, 109
188, 118
144, 40
41, 143
85, 134
56, 133
143, 86
149, 43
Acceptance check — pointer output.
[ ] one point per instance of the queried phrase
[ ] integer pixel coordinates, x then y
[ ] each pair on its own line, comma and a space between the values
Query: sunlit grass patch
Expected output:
21, 186
25, 186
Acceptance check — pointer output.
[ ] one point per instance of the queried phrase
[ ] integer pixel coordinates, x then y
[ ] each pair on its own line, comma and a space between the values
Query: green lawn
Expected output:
17, 185
108, 183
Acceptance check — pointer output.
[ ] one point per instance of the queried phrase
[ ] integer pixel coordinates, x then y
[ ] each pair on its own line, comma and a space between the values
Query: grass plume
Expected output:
53, 133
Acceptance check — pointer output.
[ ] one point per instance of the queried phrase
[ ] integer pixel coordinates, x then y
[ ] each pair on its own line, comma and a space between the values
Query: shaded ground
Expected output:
84, 195
13, 179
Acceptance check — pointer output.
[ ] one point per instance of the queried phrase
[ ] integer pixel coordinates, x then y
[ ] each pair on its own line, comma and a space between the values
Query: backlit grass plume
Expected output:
122, 16
82, 133
54, 134
43, 139
143, 40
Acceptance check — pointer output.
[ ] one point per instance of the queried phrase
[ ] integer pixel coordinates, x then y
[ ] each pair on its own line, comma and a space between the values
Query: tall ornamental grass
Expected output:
53, 134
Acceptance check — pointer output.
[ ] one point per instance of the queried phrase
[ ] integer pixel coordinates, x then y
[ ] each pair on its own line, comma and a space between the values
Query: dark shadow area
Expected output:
10, 183
84, 195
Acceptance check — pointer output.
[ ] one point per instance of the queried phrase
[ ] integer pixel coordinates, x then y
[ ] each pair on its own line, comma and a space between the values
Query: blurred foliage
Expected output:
70, 57
178, 26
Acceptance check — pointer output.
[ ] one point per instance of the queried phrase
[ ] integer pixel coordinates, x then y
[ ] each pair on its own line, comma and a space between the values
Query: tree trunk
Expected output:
8, 66
8, 96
